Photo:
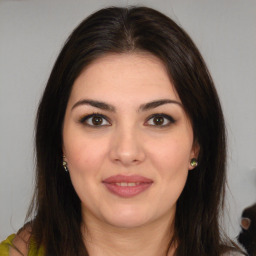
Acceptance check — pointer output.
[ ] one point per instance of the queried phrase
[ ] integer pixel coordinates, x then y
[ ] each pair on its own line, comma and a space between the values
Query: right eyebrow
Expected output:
95, 103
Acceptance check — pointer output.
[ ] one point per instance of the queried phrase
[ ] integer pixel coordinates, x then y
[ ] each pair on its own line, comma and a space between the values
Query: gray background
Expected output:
31, 35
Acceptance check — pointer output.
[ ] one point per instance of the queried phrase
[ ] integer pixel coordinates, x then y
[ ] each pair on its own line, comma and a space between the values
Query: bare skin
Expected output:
21, 242
151, 240
120, 136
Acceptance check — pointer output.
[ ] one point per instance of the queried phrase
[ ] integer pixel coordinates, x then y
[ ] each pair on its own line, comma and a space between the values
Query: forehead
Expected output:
128, 75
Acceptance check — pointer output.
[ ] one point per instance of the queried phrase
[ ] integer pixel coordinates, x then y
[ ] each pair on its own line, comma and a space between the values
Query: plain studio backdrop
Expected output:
32, 33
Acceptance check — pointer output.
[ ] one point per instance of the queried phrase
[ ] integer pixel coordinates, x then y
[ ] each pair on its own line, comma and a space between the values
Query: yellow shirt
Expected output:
7, 244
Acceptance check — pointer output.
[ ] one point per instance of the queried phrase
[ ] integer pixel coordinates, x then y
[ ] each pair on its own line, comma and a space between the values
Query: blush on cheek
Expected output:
86, 159
173, 156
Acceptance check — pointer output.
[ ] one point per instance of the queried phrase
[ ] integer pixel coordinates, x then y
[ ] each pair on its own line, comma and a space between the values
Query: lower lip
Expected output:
126, 191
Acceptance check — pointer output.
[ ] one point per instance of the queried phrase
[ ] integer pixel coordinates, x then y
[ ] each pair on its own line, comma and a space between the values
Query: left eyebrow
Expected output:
157, 103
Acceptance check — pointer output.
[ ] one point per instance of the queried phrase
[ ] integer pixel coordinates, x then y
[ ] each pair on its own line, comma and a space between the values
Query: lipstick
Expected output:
127, 186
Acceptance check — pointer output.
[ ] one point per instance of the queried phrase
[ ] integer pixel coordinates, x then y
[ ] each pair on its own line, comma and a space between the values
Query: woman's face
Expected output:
127, 141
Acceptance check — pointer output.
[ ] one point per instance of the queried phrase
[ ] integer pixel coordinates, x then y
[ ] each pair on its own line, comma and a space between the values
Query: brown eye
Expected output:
97, 120
159, 120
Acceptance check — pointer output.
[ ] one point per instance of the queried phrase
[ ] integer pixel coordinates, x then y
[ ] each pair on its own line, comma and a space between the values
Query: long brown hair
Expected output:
56, 206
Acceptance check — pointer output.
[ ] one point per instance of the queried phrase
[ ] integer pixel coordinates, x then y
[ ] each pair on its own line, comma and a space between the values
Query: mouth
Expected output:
127, 186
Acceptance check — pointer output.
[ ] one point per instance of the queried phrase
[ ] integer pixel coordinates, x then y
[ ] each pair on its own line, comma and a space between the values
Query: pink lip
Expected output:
142, 184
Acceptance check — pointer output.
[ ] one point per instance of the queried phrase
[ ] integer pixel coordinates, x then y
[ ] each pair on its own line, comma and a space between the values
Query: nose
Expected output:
126, 147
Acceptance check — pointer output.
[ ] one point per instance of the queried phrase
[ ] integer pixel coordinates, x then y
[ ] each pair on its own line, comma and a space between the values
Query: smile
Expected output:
127, 186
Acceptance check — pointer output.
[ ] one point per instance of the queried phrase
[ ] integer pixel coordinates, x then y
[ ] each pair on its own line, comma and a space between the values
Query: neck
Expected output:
153, 239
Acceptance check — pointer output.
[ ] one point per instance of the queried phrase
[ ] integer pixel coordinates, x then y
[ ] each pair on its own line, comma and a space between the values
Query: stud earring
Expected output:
65, 164
194, 162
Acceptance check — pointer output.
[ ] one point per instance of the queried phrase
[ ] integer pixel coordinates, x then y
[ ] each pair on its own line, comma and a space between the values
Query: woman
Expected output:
130, 145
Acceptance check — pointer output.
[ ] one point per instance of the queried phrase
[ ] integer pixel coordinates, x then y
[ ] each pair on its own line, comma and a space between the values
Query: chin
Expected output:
128, 223
127, 218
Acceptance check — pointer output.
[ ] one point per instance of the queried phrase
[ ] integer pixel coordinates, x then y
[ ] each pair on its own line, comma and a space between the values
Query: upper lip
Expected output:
127, 179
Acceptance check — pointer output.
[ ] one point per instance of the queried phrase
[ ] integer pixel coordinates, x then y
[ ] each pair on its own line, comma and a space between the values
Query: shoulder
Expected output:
20, 244
5, 245
16, 244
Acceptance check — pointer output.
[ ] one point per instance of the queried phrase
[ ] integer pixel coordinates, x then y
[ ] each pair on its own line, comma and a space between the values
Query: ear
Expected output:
64, 157
64, 154
194, 154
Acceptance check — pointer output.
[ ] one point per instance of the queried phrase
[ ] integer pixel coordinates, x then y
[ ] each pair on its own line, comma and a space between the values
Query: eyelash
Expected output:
169, 119
87, 117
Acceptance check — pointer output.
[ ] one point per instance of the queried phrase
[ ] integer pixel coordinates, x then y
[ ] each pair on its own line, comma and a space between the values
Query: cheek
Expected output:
84, 154
85, 157
171, 164
172, 154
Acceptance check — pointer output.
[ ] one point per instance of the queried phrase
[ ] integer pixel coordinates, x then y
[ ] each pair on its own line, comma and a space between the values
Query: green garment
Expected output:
7, 244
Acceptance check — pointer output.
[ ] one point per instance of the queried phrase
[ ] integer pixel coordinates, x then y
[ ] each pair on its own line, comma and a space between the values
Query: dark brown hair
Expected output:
56, 206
